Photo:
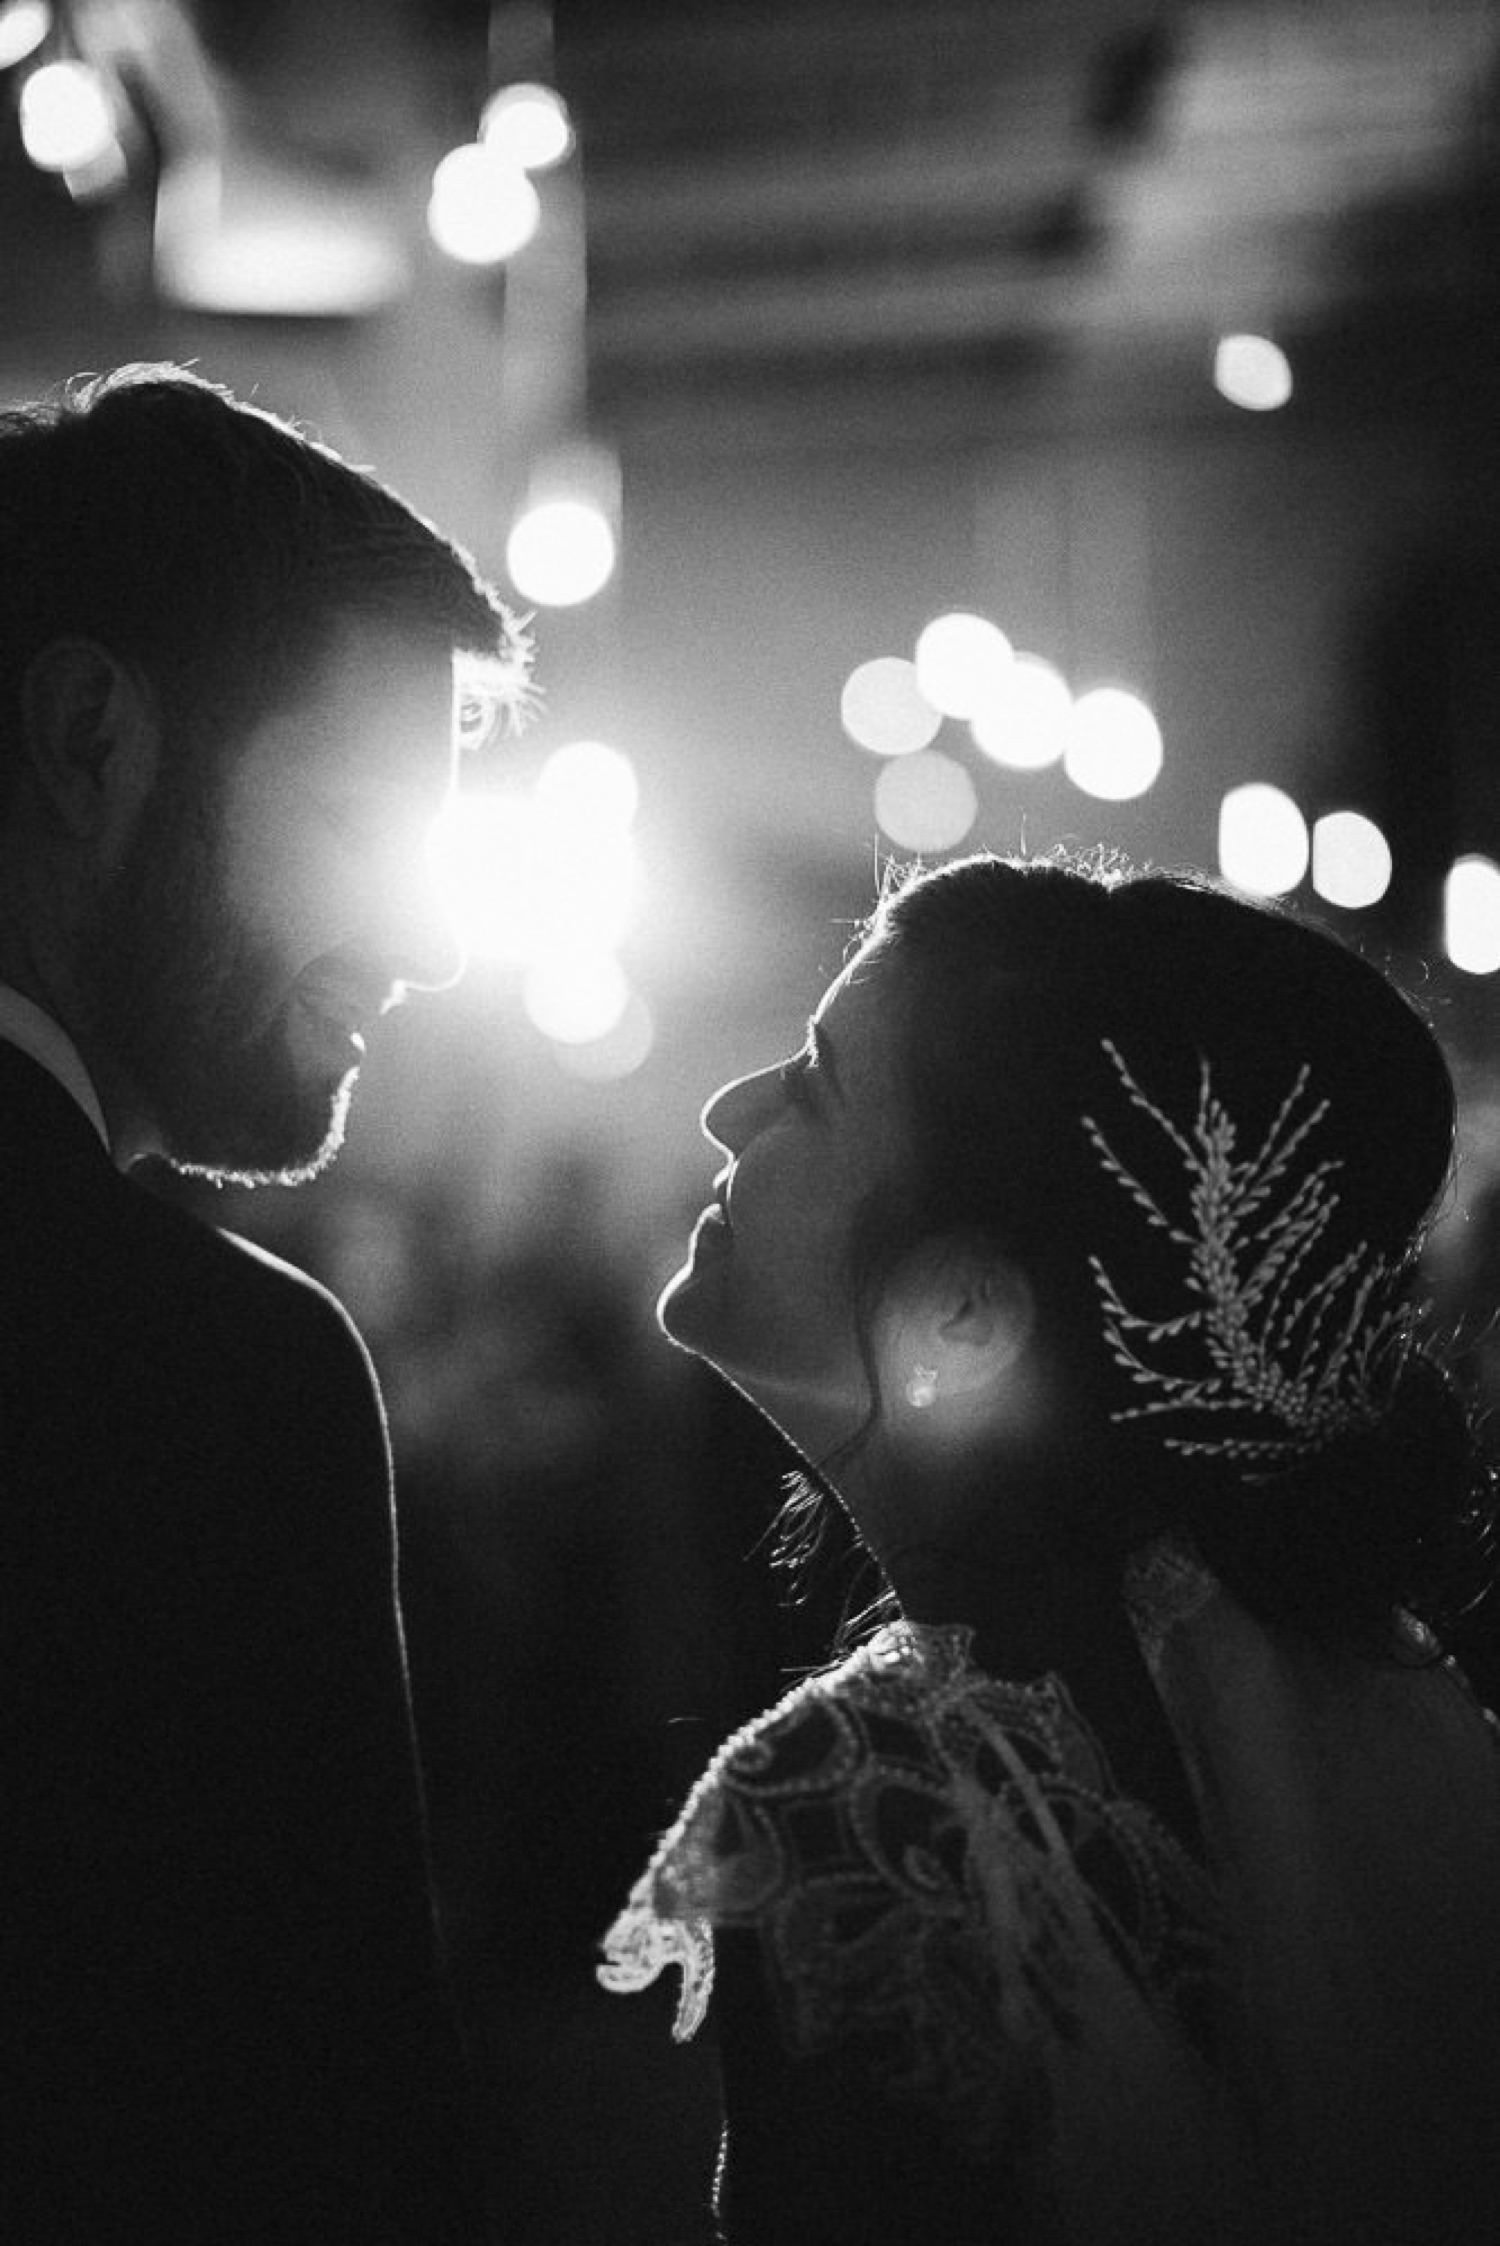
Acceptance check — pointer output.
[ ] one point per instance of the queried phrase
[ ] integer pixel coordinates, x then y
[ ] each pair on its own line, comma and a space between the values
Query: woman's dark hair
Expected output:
213, 545
1020, 989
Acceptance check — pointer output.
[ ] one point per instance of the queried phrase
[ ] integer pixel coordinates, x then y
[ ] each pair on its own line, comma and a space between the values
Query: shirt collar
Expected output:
24, 1025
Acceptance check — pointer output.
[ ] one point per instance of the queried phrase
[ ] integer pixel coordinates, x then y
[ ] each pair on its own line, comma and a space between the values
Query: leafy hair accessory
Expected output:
1287, 1359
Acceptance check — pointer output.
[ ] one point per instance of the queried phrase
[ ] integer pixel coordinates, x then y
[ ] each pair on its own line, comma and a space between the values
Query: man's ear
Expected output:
91, 740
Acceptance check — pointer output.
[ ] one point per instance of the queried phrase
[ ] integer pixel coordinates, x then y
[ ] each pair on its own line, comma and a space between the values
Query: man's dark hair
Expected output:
213, 545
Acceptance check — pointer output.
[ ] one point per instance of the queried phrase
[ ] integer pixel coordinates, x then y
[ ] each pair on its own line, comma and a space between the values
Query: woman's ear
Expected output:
91, 741
958, 1327
987, 1325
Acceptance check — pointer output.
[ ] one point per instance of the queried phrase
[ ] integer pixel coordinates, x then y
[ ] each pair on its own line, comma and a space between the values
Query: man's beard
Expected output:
194, 1010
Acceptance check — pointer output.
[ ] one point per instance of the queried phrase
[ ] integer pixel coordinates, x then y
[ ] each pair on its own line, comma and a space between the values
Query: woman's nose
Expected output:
736, 1111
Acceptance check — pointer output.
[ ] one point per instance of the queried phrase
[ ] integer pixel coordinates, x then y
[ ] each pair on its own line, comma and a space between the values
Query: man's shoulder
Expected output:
224, 1278
87, 1249
287, 1291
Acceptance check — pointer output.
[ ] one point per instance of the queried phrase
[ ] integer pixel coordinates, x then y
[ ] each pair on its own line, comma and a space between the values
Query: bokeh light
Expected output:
1025, 726
590, 782
525, 878
24, 24
1113, 748
1351, 860
883, 709
483, 208
961, 663
67, 123
561, 552
623, 1048
1471, 915
925, 802
1263, 843
104, 174
1253, 372
575, 997
529, 125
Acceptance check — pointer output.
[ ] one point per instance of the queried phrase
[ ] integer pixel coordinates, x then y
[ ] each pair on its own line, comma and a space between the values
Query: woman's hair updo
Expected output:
1023, 990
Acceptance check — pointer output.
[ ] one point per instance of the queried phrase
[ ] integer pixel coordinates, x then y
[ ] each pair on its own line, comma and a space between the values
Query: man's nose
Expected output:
422, 941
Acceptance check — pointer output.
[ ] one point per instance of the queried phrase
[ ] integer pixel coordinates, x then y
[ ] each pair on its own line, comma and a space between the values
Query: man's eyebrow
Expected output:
822, 1051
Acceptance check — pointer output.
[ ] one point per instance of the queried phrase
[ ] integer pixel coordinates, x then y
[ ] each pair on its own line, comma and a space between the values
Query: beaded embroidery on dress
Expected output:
940, 1859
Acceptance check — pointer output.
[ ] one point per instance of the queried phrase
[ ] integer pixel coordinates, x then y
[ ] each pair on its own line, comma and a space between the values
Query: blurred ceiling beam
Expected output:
799, 188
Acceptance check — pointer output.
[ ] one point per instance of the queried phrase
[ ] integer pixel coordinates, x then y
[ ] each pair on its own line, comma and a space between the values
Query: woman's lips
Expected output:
712, 1229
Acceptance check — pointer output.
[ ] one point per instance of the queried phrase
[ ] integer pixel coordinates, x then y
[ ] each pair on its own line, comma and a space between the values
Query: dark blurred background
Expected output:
843, 315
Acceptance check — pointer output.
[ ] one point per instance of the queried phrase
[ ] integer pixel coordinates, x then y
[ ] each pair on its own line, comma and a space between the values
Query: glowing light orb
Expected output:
1351, 860
1471, 915
102, 175
523, 879
67, 123
1263, 843
925, 802
483, 208
1113, 747
882, 708
1026, 725
591, 783
529, 124
1253, 372
962, 662
618, 1053
574, 997
23, 27
561, 552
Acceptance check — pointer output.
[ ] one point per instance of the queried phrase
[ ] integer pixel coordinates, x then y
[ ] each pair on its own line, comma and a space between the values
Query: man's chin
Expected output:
280, 1151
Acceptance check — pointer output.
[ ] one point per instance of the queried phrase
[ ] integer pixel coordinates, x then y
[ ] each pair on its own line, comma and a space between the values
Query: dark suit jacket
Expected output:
221, 2017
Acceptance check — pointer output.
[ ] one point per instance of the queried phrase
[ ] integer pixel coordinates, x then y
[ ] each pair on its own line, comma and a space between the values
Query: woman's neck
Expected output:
1062, 1614
1030, 1611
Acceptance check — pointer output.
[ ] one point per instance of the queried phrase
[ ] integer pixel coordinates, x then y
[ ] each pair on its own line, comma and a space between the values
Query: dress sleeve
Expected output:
818, 1889
948, 1967
815, 2151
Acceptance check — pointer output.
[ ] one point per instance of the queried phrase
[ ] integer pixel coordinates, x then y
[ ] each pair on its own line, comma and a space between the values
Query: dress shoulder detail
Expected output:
935, 1859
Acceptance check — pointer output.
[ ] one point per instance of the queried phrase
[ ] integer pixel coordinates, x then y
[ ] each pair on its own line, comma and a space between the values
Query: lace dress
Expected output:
1053, 2021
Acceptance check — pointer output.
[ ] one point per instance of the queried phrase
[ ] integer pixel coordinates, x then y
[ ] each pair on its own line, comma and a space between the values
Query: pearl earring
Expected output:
922, 1387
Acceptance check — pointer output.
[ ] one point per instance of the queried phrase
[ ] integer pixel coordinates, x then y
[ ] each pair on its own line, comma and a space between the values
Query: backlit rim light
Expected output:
1471, 915
1263, 840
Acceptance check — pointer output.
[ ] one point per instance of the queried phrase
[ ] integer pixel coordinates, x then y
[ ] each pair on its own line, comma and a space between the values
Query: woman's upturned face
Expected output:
767, 1293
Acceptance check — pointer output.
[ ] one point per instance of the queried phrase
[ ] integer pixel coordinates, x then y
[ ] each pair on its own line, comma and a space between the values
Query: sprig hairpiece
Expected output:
1286, 1359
